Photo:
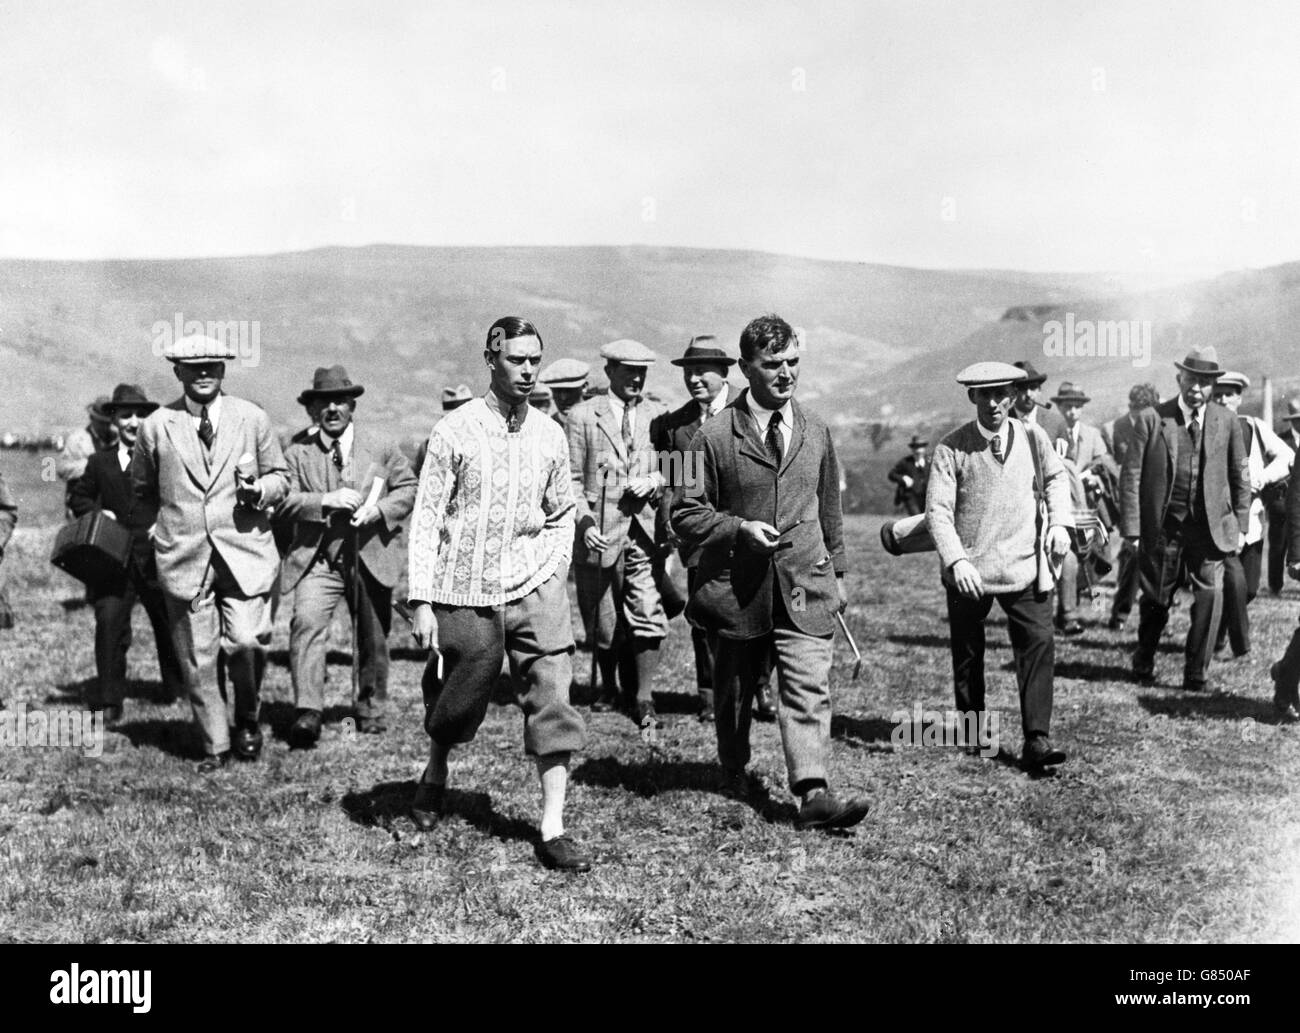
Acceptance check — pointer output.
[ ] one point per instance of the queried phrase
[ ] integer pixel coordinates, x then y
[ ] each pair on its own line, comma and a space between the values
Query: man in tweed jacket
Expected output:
981, 508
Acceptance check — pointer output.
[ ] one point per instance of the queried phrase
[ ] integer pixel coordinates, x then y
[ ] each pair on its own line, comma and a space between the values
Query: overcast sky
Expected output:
1112, 135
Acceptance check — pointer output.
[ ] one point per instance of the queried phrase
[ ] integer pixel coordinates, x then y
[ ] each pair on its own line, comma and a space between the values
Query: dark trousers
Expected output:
913, 505
114, 604
1240, 586
1029, 618
1182, 552
1126, 583
703, 654
1286, 673
1277, 547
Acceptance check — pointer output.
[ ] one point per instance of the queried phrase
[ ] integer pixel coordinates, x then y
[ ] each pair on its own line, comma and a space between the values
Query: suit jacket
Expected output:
672, 432
597, 457
105, 485
312, 473
1147, 480
194, 491
906, 467
734, 586
1092, 446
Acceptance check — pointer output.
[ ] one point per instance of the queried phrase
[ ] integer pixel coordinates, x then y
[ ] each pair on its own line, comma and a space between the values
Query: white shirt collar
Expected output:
123, 455
344, 439
1002, 433
720, 402
195, 409
1187, 411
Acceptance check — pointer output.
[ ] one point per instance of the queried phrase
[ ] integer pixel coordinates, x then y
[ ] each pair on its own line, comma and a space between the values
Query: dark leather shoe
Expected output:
305, 730
1115, 624
1144, 671
1040, 753
822, 809
426, 805
215, 763
1070, 628
563, 854
247, 744
763, 712
604, 704
371, 724
1287, 714
112, 715
707, 715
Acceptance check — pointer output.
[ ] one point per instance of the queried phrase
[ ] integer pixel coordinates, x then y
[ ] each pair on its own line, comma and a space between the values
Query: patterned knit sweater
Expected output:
981, 510
493, 515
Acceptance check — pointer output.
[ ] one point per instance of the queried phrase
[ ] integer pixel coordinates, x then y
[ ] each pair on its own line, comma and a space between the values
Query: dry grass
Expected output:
1175, 819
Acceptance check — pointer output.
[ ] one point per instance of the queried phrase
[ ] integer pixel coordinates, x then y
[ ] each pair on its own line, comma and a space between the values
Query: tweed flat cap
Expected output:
199, 348
564, 373
990, 374
1233, 378
628, 352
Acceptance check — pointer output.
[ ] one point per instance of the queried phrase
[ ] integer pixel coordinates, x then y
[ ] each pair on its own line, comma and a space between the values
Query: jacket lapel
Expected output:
744, 427
223, 446
605, 420
180, 430
1169, 429
796, 436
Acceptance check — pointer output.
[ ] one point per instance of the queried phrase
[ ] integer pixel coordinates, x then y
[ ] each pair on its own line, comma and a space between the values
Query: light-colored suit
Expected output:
319, 563
620, 581
217, 560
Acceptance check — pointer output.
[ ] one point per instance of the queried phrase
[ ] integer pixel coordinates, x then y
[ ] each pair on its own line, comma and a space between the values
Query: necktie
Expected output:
626, 429
774, 438
205, 428
336, 455
1194, 430
996, 445
516, 418
1072, 453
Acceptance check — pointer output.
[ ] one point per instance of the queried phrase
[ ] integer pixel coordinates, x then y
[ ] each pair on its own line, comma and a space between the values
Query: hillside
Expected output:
407, 321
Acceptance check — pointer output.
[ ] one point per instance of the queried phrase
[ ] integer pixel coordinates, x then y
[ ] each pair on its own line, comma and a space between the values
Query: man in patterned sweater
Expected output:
981, 510
490, 545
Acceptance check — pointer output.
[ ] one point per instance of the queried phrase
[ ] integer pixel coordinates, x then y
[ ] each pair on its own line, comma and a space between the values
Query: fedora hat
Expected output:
1032, 377
129, 396
330, 383
454, 397
1204, 361
703, 351
1292, 409
1071, 393
918, 442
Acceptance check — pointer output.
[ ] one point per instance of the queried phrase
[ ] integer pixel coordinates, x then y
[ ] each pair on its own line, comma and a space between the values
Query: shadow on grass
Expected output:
925, 641
177, 737
86, 689
386, 801
854, 730
648, 779
1218, 706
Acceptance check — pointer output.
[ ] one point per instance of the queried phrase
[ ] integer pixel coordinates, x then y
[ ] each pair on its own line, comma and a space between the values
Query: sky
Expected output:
1056, 135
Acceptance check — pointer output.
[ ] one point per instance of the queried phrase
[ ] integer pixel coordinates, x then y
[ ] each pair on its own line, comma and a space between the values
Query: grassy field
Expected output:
1176, 818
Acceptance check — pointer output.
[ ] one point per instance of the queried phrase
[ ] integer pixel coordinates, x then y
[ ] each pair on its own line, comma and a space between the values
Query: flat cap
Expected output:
628, 352
199, 348
990, 374
566, 373
541, 390
1233, 378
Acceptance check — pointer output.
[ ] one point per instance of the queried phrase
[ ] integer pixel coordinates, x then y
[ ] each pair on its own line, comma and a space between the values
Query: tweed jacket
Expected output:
312, 473
1147, 479
597, 457
194, 490
735, 586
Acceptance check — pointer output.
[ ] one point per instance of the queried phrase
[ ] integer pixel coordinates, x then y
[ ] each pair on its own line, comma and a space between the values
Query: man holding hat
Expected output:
1269, 463
911, 476
350, 493
1086, 456
105, 485
616, 484
983, 511
1185, 491
212, 465
767, 526
567, 379
1275, 504
1029, 407
704, 367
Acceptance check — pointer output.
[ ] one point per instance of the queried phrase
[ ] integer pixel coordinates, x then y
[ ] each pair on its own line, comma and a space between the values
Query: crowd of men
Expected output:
531, 478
